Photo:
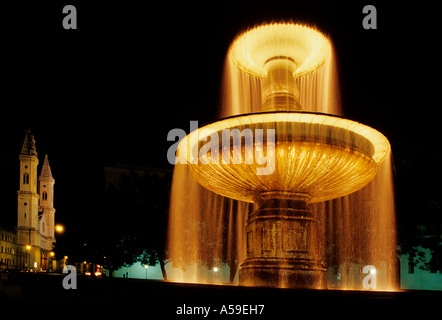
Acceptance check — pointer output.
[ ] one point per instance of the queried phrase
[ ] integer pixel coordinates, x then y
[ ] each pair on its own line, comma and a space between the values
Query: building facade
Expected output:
30, 245
8, 249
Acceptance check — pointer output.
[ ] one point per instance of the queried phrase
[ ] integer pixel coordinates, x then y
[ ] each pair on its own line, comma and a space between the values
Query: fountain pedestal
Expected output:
283, 244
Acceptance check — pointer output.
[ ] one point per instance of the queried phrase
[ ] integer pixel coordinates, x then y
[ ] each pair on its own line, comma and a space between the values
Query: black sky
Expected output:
110, 91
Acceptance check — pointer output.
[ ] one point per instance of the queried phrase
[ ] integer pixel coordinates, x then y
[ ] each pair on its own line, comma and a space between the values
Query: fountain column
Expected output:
279, 89
283, 244
282, 234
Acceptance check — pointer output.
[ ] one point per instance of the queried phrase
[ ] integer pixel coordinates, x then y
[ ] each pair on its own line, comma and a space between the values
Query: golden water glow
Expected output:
311, 152
305, 46
322, 156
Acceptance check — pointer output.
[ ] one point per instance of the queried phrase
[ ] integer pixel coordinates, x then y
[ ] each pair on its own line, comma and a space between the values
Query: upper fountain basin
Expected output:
306, 47
318, 156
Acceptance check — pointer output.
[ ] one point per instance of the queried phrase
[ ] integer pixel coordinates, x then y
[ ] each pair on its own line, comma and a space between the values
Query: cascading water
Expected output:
207, 231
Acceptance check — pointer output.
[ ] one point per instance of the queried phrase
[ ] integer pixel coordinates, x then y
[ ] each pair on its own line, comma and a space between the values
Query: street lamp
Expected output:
27, 254
59, 228
145, 267
215, 269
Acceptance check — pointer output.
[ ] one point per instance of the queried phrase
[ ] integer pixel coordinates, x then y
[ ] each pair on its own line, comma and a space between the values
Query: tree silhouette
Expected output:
135, 224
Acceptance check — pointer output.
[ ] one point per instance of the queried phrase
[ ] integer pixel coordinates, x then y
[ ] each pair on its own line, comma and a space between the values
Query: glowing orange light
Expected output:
306, 47
315, 157
59, 228
320, 156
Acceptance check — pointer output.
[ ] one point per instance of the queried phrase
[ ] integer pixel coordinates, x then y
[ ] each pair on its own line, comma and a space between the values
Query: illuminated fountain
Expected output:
283, 158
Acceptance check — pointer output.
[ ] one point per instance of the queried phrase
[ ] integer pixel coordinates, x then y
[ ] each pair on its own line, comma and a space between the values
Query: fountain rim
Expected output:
382, 146
285, 111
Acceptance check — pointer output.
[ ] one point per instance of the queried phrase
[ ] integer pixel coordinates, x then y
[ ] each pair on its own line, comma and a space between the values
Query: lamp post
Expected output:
215, 269
28, 256
145, 267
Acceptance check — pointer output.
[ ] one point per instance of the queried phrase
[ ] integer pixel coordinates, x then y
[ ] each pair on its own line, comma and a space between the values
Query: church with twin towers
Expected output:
30, 245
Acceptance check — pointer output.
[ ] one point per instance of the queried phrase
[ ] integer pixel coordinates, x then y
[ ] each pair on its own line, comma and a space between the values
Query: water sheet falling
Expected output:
361, 231
206, 231
319, 90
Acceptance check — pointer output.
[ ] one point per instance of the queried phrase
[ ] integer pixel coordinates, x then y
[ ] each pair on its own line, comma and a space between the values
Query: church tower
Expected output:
27, 204
46, 191
35, 209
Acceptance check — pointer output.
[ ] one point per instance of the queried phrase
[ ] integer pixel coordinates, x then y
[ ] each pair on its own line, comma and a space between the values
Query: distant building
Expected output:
30, 244
8, 249
114, 172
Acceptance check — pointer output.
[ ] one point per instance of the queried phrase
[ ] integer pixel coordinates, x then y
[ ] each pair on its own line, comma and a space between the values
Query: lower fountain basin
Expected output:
319, 156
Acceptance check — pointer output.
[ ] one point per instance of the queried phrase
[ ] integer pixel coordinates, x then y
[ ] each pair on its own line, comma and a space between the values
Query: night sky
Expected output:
110, 91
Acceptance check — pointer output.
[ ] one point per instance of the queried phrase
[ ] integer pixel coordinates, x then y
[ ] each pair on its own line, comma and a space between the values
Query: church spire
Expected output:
29, 145
46, 169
